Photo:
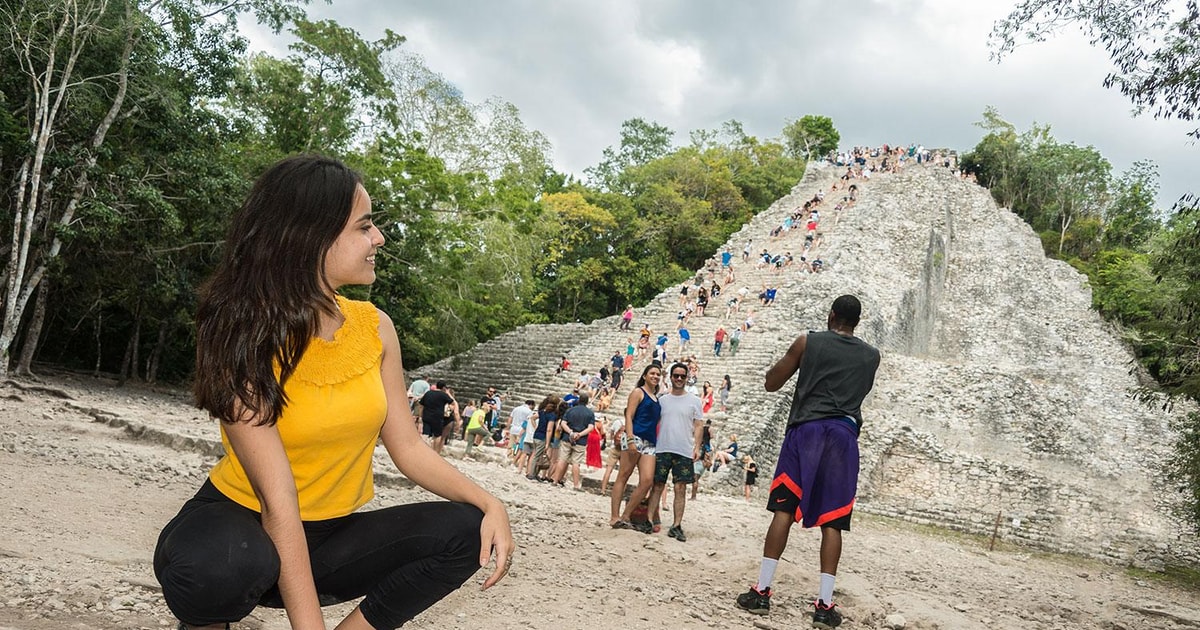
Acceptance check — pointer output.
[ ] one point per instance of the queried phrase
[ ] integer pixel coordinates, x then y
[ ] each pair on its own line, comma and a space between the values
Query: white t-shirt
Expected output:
676, 426
418, 388
520, 418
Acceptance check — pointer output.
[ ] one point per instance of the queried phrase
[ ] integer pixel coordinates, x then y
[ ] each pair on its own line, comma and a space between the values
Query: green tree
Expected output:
488, 138
322, 95
1175, 259
1073, 181
639, 258
1124, 288
994, 161
641, 142
454, 269
811, 136
575, 260
77, 68
677, 209
1133, 216
1061, 190
764, 172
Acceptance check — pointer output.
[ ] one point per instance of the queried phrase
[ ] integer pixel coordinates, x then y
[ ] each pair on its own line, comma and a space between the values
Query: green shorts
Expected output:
679, 467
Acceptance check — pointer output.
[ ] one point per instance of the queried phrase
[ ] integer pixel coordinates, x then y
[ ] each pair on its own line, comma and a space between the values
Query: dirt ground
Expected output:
90, 472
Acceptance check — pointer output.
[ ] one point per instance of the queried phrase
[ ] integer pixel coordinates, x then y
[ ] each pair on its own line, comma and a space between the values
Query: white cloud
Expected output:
893, 71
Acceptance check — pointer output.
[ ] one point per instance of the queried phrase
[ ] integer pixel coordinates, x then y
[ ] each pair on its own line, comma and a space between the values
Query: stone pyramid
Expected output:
1003, 401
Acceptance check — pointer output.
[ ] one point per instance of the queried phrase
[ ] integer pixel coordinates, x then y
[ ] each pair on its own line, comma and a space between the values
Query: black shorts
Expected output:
433, 428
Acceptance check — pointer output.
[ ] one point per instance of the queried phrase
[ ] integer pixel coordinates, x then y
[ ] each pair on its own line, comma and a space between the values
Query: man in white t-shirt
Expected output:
518, 421
678, 447
415, 392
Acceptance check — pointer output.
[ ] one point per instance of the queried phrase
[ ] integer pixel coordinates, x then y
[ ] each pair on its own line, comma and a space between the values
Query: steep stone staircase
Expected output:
522, 363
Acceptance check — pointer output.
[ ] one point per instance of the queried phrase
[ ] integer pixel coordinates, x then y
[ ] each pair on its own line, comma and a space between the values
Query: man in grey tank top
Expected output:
816, 477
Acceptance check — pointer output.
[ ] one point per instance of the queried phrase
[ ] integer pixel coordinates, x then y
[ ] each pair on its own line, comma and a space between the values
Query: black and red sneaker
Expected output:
825, 616
755, 601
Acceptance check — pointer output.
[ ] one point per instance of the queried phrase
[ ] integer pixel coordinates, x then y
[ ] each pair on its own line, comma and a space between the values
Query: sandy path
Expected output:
83, 503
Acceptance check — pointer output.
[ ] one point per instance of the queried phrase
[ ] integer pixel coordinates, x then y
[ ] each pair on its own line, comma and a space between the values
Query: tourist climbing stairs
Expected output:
523, 364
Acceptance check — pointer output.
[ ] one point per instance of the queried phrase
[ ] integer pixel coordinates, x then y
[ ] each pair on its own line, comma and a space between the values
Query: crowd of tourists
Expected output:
306, 383
547, 439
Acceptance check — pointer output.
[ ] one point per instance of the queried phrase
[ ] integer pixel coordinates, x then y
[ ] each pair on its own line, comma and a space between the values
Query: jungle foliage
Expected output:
130, 130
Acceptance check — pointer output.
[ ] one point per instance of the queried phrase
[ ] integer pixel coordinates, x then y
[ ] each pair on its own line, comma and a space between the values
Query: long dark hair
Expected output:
261, 307
549, 403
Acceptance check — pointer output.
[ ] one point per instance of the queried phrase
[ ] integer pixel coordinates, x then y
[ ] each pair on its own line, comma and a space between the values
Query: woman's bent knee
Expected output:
453, 547
463, 523
214, 564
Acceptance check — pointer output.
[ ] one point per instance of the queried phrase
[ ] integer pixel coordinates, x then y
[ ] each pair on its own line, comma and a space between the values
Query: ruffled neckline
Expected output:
355, 347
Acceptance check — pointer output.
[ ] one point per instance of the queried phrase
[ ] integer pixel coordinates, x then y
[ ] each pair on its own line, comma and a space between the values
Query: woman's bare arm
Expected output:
427, 469
260, 451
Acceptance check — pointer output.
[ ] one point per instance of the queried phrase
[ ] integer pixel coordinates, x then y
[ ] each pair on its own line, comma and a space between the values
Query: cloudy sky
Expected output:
895, 71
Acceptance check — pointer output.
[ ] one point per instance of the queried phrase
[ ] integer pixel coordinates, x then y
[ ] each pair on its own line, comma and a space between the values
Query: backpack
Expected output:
641, 513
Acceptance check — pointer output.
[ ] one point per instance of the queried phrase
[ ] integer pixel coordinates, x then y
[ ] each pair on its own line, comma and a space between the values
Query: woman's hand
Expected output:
495, 535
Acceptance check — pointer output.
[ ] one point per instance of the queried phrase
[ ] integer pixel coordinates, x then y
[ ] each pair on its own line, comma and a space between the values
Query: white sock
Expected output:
766, 573
826, 595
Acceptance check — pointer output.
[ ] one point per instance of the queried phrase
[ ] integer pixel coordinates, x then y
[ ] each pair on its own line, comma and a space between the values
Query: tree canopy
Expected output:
128, 139
811, 137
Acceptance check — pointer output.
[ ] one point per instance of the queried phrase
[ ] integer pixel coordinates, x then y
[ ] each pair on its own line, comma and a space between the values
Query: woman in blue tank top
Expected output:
641, 421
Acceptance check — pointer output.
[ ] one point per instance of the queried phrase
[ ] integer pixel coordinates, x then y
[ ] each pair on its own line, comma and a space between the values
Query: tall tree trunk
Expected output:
26, 268
99, 332
1064, 223
130, 362
33, 334
156, 357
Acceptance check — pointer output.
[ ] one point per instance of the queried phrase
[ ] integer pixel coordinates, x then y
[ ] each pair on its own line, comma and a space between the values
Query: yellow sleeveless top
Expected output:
335, 409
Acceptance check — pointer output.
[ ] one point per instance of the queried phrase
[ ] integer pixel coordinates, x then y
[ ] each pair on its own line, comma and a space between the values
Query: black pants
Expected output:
216, 563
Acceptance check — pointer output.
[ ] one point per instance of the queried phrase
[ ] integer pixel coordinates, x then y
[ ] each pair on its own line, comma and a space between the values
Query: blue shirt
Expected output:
544, 420
645, 418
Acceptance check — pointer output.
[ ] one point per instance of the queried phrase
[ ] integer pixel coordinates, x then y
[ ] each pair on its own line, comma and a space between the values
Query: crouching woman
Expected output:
304, 383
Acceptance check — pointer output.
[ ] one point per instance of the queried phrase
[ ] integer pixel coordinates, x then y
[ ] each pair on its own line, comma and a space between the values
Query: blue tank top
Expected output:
645, 418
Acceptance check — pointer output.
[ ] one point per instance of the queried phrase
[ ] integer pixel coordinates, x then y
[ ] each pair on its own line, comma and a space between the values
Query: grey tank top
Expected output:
836, 373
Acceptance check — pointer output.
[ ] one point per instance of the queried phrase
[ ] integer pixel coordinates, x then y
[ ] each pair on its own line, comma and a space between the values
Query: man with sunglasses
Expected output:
679, 432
